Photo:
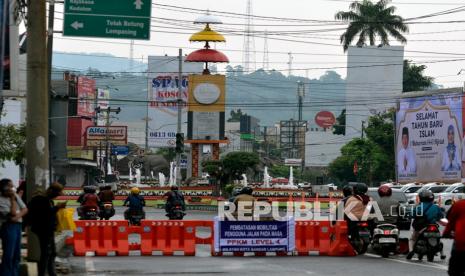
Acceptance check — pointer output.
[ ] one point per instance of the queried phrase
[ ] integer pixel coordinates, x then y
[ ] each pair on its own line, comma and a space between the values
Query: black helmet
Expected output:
174, 188
89, 189
247, 191
360, 189
347, 191
236, 191
426, 196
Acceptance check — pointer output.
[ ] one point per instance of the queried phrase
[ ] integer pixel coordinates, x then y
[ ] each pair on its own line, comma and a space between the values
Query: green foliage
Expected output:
237, 163
12, 144
340, 126
279, 171
413, 79
374, 155
212, 167
369, 21
236, 115
168, 153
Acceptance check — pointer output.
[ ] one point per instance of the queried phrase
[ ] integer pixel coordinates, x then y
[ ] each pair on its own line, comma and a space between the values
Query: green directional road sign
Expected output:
127, 19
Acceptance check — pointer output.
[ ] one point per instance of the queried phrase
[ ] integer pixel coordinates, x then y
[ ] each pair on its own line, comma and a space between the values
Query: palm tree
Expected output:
369, 20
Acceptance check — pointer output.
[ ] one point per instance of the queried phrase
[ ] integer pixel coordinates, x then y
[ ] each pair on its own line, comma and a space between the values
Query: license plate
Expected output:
387, 240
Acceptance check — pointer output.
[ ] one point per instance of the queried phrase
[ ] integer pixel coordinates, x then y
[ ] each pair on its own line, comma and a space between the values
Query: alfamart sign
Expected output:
99, 135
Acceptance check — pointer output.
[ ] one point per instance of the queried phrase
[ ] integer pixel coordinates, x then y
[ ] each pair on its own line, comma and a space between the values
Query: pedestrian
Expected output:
43, 221
456, 229
12, 210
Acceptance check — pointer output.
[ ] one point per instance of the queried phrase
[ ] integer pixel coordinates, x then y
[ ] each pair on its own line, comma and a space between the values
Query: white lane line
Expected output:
432, 265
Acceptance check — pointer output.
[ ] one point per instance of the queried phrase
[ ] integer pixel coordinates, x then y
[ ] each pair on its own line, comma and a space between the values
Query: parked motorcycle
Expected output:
360, 240
107, 211
385, 239
428, 243
176, 213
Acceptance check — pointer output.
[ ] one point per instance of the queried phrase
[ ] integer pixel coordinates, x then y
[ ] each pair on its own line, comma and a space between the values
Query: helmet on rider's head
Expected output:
247, 191
426, 196
135, 191
174, 188
347, 191
89, 189
384, 190
237, 191
360, 189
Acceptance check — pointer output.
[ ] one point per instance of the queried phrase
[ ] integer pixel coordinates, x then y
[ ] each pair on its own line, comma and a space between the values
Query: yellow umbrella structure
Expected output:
207, 35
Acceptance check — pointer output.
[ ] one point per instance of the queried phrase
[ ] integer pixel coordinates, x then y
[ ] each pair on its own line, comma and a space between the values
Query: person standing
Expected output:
12, 210
450, 156
43, 221
456, 229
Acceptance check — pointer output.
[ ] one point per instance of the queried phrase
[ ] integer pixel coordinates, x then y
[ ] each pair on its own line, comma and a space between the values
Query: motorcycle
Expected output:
88, 213
176, 213
385, 239
135, 216
361, 239
107, 211
428, 243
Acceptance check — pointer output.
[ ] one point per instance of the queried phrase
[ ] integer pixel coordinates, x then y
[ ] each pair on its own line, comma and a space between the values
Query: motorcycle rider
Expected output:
88, 200
388, 206
245, 196
106, 195
456, 229
358, 203
428, 210
135, 202
174, 198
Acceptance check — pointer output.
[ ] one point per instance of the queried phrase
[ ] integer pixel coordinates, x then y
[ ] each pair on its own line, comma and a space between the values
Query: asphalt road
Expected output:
204, 264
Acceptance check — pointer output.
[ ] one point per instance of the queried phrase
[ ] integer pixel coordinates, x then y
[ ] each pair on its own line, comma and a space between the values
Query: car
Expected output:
412, 196
453, 192
404, 221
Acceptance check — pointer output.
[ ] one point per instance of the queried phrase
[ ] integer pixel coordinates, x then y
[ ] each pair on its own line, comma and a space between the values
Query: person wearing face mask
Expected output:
12, 211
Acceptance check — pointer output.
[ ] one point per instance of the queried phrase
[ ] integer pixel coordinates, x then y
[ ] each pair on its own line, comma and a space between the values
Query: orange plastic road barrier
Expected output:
101, 237
340, 245
312, 237
170, 236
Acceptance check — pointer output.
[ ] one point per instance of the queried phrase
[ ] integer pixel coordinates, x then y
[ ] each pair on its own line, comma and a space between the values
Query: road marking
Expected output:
431, 265
90, 267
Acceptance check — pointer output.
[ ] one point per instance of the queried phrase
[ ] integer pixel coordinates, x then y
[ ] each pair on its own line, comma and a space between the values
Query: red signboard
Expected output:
77, 130
325, 119
98, 135
86, 97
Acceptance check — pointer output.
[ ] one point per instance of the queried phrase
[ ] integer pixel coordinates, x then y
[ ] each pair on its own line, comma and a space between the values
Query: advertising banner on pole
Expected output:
429, 135
103, 101
163, 95
254, 236
86, 97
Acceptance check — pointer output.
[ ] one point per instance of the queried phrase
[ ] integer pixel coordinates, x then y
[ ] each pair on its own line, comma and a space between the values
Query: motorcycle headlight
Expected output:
378, 231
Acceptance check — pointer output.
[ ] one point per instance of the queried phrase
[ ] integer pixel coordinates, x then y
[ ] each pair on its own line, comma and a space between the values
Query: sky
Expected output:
171, 26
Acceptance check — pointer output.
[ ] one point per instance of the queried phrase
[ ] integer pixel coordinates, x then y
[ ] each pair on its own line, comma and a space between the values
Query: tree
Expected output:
340, 126
369, 21
12, 143
413, 79
374, 155
237, 163
236, 115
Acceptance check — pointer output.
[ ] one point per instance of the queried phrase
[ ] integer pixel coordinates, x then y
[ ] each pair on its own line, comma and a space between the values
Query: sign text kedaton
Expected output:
126, 19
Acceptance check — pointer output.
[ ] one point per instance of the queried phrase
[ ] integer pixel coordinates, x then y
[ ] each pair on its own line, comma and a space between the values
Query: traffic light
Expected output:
179, 143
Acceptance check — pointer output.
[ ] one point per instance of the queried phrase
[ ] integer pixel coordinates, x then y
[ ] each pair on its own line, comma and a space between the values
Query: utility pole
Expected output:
108, 110
51, 19
363, 128
37, 124
179, 130
300, 96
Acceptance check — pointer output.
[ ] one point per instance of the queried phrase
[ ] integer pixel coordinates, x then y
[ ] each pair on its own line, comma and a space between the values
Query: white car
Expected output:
452, 193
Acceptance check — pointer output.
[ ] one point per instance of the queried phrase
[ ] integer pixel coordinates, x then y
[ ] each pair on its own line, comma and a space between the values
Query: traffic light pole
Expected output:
179, 130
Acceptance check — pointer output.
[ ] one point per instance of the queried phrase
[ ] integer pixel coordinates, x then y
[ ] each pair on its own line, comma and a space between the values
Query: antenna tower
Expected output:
266, 59
248, 58
290, 63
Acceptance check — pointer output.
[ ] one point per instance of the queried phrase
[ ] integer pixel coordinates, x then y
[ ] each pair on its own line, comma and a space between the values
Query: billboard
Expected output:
429, 135
86, 97
98, 135
163, 95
